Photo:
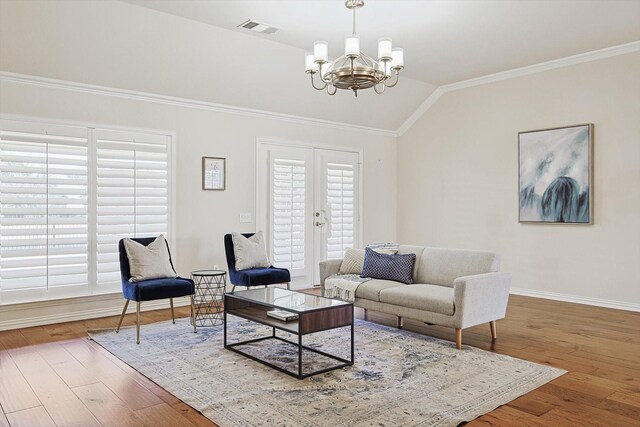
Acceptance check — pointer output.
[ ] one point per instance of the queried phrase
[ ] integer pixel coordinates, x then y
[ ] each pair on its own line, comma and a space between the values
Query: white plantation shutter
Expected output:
288, 213
68, 194
44, 241
132, 194
340, 200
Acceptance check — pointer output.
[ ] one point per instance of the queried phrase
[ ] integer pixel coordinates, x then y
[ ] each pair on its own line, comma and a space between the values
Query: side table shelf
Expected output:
209, 297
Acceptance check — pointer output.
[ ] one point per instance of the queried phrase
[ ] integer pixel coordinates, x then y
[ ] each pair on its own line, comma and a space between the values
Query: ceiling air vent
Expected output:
258, 27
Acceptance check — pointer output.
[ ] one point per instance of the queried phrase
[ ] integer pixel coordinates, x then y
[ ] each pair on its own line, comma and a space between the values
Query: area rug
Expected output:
399, 378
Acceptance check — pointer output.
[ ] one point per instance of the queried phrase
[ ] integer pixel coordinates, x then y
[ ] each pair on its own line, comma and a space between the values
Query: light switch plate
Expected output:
245, 217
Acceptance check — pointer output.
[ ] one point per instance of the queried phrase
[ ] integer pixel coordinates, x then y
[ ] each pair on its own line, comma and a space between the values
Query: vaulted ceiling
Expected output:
445, 41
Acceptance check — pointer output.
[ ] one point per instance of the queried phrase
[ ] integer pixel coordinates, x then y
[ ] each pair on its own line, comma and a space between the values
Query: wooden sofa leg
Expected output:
458, 338
494, 334
400, 322
365, 314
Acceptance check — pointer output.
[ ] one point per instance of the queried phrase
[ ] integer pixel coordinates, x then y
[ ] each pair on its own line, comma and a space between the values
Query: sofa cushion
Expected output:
410, 249
371, 290
442, 266
432, 298
352, 262
388, 267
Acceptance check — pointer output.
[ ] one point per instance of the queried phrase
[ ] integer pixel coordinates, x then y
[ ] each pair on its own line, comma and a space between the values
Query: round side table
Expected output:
209, 297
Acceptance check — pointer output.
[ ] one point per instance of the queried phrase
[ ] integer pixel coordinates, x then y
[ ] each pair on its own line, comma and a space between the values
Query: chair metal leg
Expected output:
173, 314
233, 288
138, 322
288, 286
124, 310
193, 314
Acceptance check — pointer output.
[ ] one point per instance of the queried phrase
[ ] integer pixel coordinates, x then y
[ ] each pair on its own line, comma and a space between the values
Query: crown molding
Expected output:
595, 55
598, 302
546, 66
422, 108
31, 80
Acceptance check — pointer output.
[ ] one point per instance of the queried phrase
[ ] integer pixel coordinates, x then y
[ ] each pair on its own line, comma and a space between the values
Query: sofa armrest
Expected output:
327, 268
481, 298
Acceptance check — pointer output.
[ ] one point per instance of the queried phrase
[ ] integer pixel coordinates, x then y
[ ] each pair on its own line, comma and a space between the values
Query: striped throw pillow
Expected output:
352, 262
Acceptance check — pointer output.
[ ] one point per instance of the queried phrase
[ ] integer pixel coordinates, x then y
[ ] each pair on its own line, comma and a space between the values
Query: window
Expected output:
132, 194
61, 217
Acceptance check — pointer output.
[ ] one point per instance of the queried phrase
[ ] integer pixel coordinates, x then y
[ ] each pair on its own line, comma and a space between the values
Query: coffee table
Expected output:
315, 314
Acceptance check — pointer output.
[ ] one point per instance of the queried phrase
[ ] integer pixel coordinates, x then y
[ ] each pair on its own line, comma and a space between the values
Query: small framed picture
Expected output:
213, 173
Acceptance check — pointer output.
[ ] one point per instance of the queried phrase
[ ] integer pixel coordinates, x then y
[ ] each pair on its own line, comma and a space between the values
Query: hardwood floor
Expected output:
53, 376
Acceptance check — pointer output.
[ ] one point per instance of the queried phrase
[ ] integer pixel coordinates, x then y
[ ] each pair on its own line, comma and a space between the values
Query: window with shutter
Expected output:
68, 194
44, 239
340, 200
132, 195
288, 213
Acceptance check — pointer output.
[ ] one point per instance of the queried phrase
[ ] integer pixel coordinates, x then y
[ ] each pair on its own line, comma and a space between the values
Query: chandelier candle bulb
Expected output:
321, 51
352, 46
310, 65
384, 49
397, 58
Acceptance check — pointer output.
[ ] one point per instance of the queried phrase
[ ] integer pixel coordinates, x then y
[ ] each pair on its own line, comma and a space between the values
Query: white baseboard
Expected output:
47, 312
619, 305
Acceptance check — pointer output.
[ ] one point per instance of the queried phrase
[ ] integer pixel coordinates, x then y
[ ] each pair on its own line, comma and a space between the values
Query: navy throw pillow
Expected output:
389, 267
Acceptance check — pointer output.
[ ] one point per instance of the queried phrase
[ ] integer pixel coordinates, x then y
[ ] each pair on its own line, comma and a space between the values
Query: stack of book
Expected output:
283, 315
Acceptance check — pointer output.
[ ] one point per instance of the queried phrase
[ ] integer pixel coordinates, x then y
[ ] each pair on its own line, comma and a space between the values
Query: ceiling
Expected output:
445, 41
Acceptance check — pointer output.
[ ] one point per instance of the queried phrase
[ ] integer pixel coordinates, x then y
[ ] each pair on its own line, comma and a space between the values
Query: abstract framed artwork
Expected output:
556, 175
213, 173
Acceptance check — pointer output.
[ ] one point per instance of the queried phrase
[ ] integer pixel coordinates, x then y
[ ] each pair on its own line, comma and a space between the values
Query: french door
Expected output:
307, 206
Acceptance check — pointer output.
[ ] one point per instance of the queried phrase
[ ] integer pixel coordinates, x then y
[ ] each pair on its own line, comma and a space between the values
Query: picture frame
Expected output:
555, 175
214, 174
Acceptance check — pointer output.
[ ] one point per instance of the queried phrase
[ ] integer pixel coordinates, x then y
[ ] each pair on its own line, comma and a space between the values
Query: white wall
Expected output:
203, 217
458, 178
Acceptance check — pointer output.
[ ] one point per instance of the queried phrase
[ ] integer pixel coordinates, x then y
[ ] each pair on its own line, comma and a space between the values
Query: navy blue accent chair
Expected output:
149, 290
253, 276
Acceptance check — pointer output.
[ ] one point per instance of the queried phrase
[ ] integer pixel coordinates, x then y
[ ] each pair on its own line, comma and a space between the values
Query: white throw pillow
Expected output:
149, 262
385, 248
352, 262
251, 252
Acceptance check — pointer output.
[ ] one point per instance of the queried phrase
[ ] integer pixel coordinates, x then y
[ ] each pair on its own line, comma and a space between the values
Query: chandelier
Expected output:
354, 70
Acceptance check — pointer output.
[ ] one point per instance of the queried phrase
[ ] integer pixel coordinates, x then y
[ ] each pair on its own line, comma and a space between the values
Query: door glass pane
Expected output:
288, 213
340, 201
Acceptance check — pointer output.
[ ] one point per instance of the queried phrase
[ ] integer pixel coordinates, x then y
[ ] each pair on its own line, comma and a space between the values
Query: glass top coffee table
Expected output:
314, 314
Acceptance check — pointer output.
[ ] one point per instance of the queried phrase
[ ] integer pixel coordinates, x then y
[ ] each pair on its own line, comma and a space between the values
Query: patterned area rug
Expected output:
399, 378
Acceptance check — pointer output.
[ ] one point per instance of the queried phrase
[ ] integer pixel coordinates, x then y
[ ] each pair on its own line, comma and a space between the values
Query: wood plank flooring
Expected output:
53, 376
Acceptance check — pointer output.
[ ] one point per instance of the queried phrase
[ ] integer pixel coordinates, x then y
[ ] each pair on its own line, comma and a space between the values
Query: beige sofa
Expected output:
451, 287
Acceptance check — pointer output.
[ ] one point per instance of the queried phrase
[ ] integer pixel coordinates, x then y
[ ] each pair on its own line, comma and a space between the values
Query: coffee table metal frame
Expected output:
309, 321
